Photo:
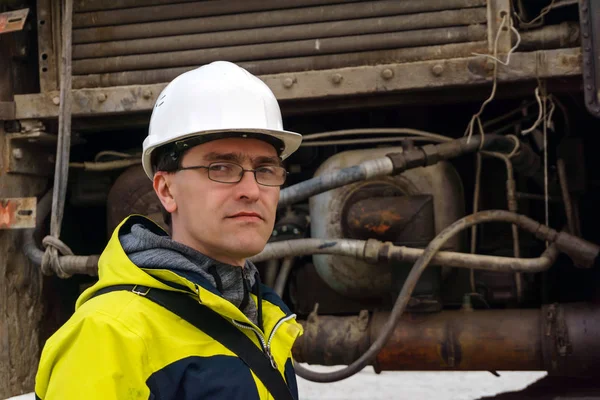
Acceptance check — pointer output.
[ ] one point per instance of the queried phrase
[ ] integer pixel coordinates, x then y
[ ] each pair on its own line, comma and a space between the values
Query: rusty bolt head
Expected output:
56, 100
387, 74
147, 94
17, 154
437, 69
102, 97
489, 65
337, 79
288, 82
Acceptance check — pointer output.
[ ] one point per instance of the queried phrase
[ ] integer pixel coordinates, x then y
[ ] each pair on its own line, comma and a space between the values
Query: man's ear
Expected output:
162, 188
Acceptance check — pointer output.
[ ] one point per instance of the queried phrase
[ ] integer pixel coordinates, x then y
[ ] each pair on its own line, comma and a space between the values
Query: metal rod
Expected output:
279, 50
281, 33
265, 67
268, 18
158, 12
566, 196
103, 5
540, 197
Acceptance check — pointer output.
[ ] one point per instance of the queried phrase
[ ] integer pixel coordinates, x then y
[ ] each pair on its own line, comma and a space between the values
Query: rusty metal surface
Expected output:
318, 84
497, 10
17, 213
31, 151
450, 340
141, 13
374, 280
47, 50
565, 34
12, 21
589, 18
321, 62
268, 18
570, 339
399, 219
282, 33
298, 48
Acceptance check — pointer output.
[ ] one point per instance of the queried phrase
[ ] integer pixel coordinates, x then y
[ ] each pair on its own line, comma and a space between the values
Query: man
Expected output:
214, 153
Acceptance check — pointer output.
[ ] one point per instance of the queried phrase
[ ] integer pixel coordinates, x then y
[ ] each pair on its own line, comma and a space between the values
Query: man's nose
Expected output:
247, 187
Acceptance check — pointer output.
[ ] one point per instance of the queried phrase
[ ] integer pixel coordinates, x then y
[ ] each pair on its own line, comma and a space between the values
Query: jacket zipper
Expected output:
266, 344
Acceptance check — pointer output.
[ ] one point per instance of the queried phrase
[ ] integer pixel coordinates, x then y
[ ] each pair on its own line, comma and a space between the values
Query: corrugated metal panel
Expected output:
152, 41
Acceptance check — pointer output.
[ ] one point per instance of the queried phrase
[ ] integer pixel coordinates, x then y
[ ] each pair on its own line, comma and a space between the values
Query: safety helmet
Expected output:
215, 101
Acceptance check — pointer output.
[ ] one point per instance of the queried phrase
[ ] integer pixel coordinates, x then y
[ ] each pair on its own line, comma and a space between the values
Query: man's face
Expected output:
226, 221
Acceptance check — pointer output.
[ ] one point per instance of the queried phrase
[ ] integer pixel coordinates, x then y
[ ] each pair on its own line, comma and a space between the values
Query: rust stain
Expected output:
8, 210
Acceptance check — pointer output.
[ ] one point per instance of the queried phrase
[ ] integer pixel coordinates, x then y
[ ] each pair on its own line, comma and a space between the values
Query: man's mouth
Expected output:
244, 215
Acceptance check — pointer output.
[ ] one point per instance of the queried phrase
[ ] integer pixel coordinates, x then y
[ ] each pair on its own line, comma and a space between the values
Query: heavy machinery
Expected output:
441, 214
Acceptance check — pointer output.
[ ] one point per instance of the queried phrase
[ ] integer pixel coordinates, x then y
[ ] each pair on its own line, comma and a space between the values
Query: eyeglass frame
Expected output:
241, 176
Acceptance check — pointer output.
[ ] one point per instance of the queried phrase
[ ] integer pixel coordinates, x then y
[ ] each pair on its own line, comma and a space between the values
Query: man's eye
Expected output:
266, 170
220, 168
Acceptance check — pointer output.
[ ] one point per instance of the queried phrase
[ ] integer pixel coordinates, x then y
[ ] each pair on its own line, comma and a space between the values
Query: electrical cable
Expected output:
374, 131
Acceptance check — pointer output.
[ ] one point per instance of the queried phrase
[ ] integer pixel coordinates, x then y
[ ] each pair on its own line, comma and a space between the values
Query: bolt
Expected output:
387, 74
296, 231
17, 154
56, 100
102, 97
284, 229
437, 69
23, 51
147, 93
337, 79
489, 65
288, 82
275, 233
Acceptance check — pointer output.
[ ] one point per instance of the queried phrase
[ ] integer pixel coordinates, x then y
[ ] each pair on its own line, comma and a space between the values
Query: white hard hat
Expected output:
215, 101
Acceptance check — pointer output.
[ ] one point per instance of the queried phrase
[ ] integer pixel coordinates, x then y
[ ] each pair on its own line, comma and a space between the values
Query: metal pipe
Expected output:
319, 30
561, 339
103, 5
511, 198
105, 165
566, 196
282, 277
449, 340
296, 48
264, 67
298, 16
376, 251
558, 36
158, 12
578, 249
539, 197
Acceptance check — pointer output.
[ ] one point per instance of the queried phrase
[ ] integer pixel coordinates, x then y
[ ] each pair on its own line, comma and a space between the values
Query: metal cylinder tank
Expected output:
407, 209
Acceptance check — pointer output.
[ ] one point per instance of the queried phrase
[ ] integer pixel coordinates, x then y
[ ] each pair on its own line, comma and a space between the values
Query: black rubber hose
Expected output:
523, 158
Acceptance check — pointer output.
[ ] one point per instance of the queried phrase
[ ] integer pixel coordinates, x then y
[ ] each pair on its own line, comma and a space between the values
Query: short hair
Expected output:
167, 159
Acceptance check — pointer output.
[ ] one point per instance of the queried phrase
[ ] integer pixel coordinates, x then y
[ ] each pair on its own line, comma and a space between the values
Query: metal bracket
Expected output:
31, 151
589, 20
17, 213
12, 21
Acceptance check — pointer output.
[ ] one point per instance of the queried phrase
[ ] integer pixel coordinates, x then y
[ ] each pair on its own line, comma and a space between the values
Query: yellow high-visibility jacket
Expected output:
119, 345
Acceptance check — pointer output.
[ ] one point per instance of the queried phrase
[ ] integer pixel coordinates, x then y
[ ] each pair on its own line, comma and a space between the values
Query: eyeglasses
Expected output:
226, 172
